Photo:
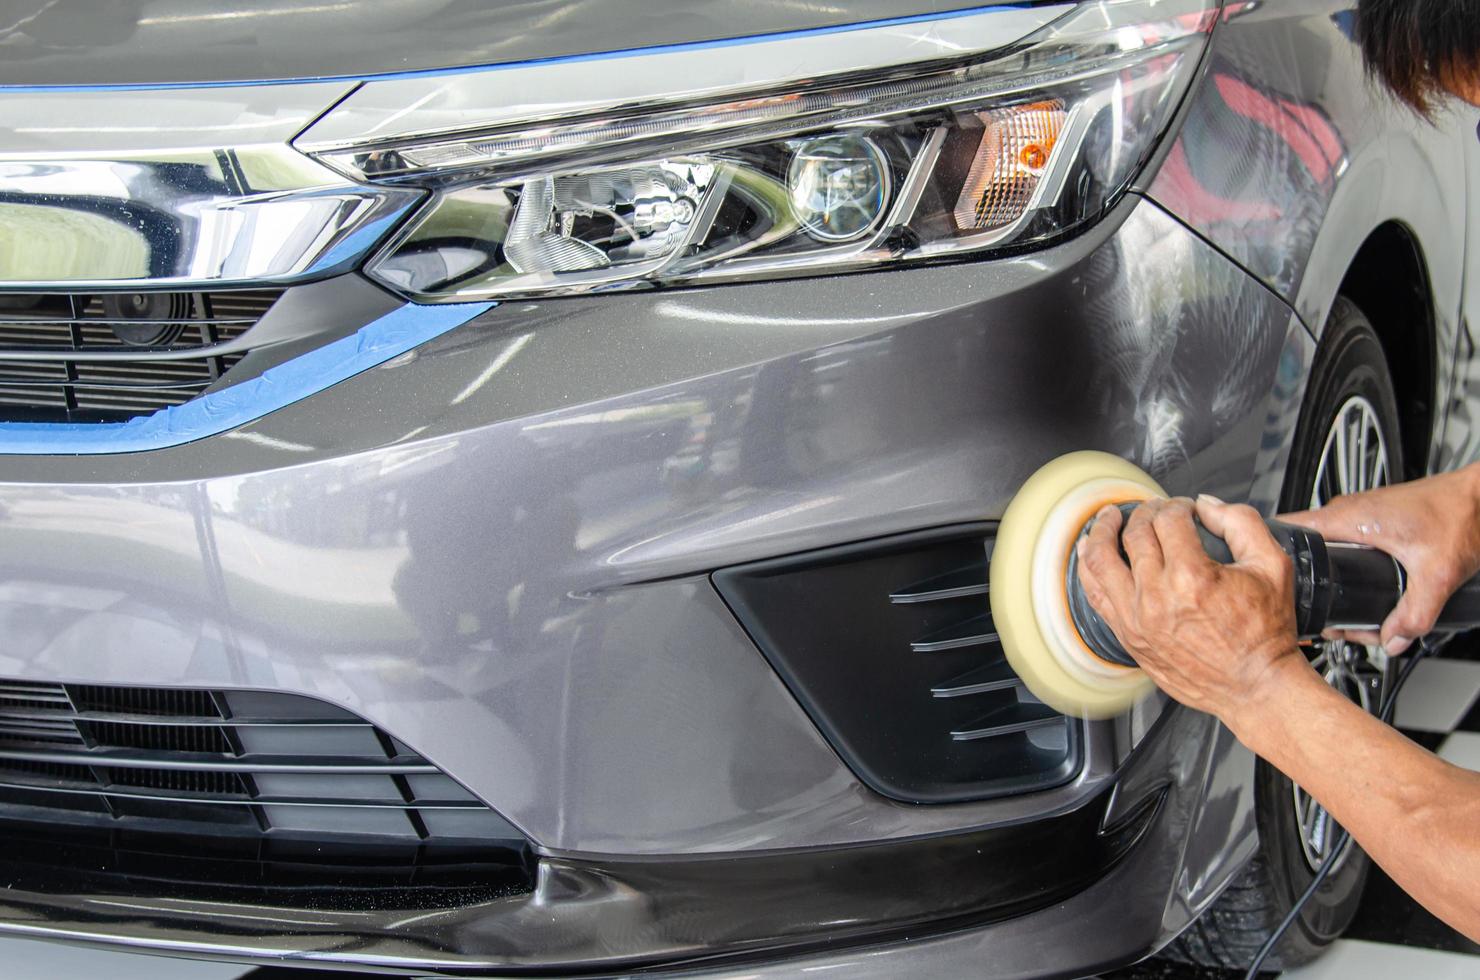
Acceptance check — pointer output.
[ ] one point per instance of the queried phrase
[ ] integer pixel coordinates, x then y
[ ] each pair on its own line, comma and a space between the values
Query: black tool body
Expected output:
1337, 586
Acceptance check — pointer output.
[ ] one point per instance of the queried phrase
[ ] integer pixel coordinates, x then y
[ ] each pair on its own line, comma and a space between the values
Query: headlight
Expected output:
927, 160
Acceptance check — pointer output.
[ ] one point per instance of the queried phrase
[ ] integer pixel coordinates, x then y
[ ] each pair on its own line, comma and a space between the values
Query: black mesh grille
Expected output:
52, 771
142, 700
162, 738
63, 387
246, 766
890, 647
205, 783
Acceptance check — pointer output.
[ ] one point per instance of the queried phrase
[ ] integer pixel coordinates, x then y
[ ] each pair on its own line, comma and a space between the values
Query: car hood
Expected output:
130, 42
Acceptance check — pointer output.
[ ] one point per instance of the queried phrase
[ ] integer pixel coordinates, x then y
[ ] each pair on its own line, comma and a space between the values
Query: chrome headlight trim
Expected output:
177, 188
390, 112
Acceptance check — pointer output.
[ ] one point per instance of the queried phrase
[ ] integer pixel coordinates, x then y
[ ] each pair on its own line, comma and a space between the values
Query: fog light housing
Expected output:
837, 186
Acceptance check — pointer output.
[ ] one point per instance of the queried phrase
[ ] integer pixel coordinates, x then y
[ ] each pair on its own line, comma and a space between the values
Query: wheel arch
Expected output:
1388, 279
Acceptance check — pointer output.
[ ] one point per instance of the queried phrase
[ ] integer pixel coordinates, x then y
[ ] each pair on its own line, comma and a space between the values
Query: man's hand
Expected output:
1431, 526
1221, 638
1210, 635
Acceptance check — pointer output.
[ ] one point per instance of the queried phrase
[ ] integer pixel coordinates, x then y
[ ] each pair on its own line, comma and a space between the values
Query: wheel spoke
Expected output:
1320, 831
1319, 493
1343, 464
1361, 460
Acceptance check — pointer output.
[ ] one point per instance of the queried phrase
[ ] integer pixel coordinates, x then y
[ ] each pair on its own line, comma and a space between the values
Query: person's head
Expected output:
1421, 49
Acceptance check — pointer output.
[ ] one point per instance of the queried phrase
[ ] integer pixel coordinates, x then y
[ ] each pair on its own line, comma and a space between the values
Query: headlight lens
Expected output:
838, 186
1015, 149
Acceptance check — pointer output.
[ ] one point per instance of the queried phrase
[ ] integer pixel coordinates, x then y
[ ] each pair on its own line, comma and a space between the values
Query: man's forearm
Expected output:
1415, 814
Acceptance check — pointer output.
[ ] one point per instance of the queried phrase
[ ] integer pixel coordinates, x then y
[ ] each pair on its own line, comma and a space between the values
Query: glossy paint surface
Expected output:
524, 600
1323, 160
497, 546
75, 42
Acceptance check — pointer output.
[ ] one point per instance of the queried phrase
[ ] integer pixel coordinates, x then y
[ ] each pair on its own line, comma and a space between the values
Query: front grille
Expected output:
253, 766
889, 646
67, 387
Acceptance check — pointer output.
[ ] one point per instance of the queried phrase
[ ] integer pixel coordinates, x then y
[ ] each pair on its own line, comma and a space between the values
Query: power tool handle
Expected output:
1349, 586
1337, 585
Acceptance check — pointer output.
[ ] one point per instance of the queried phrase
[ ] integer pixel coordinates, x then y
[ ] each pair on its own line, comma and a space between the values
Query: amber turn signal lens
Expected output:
1017, 144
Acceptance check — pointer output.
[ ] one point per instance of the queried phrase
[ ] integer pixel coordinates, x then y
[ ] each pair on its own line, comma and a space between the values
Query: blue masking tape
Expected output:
375, 343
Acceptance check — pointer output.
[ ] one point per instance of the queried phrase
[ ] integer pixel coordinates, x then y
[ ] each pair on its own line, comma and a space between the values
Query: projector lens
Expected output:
837, 186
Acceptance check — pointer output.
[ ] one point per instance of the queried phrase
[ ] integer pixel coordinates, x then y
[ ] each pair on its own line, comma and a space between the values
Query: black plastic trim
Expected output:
888, 646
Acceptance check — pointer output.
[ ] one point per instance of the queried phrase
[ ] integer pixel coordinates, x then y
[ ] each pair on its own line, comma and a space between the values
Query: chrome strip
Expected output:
114, 355
402, 108
176, 188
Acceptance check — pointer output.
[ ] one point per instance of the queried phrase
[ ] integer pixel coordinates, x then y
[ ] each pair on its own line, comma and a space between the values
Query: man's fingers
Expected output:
1413, 616
1245, 532
1212, 512
1103, 573
1395, 637
1180, 543
1140, 542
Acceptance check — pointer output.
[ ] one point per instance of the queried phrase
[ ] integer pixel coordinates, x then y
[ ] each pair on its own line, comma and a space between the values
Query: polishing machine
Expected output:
1068, 656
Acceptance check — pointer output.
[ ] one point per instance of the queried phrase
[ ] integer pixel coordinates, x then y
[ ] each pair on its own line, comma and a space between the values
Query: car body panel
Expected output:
497, 546
497, 571
1331, 160
151, 42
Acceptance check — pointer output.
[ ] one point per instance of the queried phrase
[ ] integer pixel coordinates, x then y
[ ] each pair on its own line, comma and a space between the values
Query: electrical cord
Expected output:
1385, 713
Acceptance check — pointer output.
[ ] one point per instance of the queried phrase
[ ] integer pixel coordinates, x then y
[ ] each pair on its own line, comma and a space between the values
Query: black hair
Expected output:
1418, 48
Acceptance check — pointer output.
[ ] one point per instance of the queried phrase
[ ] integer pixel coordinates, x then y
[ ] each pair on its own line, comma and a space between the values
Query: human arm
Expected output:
1416, 815
1221, 638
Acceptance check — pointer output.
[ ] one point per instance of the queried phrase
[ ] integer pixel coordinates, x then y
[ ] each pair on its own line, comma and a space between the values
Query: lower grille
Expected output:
256, 775
62, 380
889, 646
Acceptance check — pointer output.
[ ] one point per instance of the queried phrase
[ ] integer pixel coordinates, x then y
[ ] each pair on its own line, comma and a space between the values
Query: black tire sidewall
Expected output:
1349, 362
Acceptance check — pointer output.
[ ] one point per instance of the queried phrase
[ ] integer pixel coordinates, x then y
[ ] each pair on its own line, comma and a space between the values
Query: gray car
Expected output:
506, 488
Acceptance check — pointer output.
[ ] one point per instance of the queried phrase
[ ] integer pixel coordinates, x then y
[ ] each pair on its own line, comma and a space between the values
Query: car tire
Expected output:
1349, 370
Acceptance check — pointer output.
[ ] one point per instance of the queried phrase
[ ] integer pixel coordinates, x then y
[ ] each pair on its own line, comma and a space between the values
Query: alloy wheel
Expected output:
1354, 458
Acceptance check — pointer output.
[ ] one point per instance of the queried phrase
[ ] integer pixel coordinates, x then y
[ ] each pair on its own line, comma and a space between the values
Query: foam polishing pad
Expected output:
1029, 583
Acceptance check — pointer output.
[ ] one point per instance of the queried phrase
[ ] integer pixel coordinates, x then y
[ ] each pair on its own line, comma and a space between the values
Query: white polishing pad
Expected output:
1030, 562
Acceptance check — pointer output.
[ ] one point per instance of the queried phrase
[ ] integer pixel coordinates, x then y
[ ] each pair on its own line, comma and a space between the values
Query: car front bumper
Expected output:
497, 548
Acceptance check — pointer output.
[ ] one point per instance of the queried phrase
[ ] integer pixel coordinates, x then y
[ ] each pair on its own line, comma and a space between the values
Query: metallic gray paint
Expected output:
177, 188
1459, 440
496, 547
1328, 160
538, 580
75, 42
